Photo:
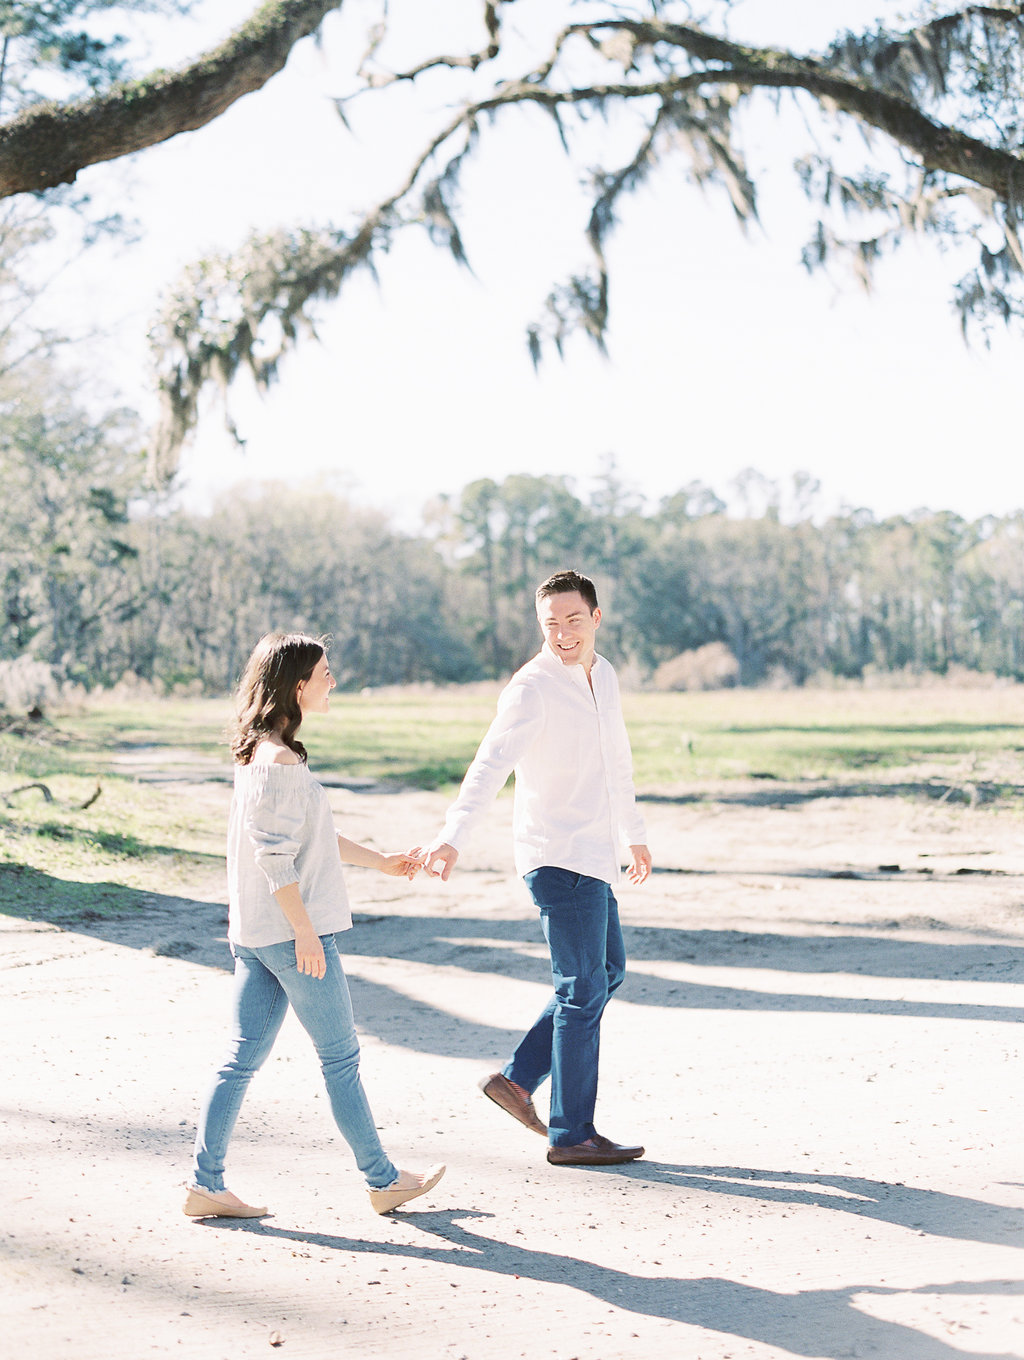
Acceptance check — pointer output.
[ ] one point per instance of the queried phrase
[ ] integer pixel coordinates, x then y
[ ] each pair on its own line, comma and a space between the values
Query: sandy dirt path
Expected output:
822, 1057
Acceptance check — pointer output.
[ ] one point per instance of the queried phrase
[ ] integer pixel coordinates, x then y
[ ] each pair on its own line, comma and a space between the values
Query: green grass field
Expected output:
139, 837
427, 739
824, 734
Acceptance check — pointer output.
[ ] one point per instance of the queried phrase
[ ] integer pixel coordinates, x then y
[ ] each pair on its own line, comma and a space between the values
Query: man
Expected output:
559, 727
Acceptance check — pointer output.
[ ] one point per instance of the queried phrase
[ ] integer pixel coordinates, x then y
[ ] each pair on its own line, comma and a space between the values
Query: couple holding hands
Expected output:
559, 727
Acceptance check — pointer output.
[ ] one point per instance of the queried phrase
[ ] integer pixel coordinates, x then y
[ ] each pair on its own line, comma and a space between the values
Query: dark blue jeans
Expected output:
580, 918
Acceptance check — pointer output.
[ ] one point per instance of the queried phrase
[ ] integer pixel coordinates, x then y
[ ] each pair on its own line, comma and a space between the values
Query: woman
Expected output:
287, 898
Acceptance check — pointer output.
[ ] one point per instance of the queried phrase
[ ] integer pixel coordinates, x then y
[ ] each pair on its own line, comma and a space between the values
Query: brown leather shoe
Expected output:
634, 1152
503, 1093
596, 1151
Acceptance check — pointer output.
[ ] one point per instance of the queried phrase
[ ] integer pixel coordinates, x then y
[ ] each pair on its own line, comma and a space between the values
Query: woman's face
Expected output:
313, 694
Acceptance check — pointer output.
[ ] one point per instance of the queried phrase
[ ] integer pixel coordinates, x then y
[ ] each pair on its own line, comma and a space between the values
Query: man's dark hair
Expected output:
564, 583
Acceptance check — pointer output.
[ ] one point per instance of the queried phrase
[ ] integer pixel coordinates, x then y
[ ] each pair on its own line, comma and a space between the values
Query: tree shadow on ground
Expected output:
514, 948
929, 736
814, 1322
786, 793
175, 926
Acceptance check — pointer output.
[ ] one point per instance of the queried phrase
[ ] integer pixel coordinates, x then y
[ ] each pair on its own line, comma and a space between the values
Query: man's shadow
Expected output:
931, 1211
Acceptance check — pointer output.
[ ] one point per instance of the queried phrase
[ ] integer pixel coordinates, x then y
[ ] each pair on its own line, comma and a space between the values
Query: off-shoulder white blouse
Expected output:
280, 831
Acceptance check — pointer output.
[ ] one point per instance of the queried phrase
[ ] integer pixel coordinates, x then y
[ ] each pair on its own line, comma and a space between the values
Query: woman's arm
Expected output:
397, 866
309, 952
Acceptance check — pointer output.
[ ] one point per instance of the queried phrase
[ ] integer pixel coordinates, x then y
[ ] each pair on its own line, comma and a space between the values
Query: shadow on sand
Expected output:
814, 1322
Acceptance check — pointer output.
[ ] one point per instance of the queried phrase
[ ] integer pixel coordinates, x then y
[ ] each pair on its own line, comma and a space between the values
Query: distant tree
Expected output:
689, 503
508, 536
66, 552
671, 608
992, 571
274, 556
621, 533
904, 588
846, 623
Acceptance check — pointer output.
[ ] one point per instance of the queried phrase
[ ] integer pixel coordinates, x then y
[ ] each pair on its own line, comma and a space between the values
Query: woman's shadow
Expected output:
815, 1322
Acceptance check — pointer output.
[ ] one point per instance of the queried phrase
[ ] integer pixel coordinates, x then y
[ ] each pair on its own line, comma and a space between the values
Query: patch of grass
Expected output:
55, 830
416, 739
36, 895
114, 843
91, 736
132, 837
825, 734
427, 739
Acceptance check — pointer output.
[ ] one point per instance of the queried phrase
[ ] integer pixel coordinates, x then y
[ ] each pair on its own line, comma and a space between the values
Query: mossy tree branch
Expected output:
945, 94
49, 144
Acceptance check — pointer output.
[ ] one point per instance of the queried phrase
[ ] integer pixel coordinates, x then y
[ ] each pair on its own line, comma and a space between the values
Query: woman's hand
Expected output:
401, 866
309, 954
395, 866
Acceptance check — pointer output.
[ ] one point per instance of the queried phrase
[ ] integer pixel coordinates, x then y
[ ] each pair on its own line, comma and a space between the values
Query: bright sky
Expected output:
724, 354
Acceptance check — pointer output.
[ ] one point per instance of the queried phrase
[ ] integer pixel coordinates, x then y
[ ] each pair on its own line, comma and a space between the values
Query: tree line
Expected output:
100, 581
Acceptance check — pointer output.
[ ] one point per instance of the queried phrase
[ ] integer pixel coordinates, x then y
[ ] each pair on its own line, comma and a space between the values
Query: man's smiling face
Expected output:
569, 627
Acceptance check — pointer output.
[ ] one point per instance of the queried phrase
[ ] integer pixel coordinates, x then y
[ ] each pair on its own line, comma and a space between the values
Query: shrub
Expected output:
712, 666
27, 686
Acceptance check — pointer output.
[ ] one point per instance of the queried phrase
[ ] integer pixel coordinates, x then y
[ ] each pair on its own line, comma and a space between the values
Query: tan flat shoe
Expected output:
408, 1185
201, 1203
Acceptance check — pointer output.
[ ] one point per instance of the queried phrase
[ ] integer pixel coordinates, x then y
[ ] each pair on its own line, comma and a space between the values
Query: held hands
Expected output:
405, 865
640, 867
409, 863
438, 861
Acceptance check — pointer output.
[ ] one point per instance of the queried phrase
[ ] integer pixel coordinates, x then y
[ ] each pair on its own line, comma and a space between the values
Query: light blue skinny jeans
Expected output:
266, 982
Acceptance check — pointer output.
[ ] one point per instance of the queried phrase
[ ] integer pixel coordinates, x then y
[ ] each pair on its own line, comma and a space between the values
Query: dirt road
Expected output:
822, 1056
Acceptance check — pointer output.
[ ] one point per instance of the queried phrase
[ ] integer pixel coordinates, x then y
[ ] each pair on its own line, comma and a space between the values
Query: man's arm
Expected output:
630, 819
519, 719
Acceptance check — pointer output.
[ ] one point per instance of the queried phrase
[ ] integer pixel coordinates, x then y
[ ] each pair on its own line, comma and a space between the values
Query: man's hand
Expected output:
443, 856
640, 867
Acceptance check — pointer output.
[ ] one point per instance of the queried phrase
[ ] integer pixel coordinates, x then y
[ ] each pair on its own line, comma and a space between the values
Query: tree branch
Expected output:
470, 61
691, 77
48, 145
939, 146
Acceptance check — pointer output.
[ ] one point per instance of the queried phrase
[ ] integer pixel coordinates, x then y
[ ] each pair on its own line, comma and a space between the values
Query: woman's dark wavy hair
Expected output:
266, 700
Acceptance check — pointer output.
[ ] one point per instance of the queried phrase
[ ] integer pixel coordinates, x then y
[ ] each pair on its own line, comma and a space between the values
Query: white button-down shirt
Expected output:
575, 805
